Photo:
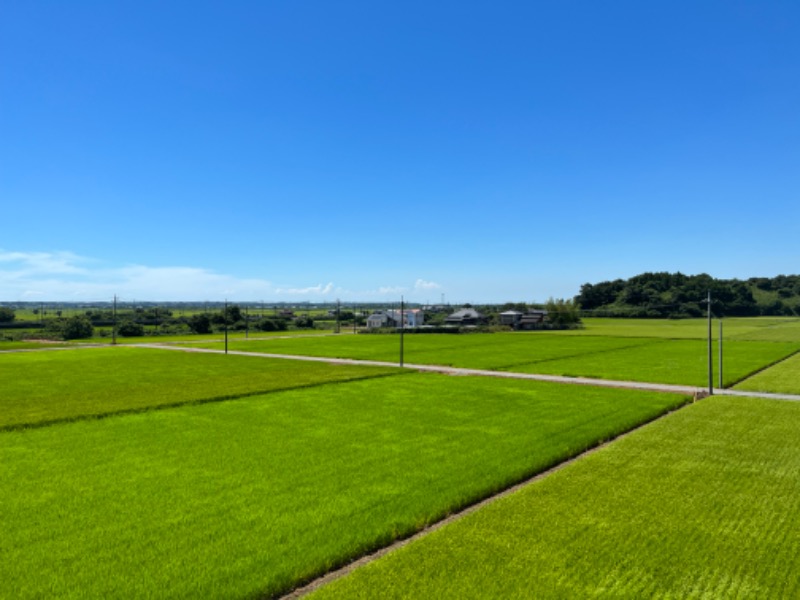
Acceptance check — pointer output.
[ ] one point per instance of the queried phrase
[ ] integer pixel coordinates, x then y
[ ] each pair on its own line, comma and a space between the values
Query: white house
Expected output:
379, 319
412, 317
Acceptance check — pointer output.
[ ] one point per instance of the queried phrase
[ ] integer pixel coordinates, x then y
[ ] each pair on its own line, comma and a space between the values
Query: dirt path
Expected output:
630, 385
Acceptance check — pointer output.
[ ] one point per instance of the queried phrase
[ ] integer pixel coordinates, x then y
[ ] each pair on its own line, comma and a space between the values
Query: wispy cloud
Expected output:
318, 290
391, 290
71, 277
422, 285
45, 262
68, 276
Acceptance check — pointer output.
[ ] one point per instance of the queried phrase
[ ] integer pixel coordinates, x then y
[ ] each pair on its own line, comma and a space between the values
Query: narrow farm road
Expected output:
631, 385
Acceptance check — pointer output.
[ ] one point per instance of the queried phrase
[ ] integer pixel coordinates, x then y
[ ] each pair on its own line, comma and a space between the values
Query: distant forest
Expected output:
675, 295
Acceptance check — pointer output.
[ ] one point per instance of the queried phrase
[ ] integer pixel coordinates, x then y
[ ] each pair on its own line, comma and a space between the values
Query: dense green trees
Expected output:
129, 328
75, 328
200, 323
6, 315
272, 325
676, 295
562, 313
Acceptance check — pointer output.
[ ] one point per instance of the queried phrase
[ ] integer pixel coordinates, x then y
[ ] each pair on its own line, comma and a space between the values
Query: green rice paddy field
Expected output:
783, 378
41, 387
245, 476
671, 352
250, 497
701, 504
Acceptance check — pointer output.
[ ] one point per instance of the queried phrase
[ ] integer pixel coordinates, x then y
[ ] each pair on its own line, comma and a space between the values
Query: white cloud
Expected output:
67, 276
421, 284
318, 290
390, 290
45, 262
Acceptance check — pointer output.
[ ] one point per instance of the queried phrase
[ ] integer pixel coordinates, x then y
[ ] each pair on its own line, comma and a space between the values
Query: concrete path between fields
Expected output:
456, 371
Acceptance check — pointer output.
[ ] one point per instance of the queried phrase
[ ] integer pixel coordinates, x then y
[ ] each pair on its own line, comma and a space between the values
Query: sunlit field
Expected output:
701, 504
251, 497
658, 351
43, 387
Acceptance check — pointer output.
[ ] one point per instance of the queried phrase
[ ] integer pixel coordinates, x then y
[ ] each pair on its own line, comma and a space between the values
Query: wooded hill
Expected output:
675, 295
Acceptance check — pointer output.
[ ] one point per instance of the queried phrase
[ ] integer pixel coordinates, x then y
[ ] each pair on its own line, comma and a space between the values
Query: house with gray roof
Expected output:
465, 316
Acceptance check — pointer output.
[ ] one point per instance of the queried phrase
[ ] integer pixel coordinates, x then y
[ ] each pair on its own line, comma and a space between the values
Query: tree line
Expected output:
675, 295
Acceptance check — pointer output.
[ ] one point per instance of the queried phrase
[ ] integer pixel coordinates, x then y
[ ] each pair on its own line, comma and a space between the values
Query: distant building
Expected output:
465, 316
379, 319
413, 317
510, 317
533, 319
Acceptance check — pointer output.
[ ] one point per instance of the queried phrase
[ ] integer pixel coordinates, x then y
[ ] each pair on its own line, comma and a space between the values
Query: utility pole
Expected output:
402, 329
225, 319
720, 353
710, 351
114, 329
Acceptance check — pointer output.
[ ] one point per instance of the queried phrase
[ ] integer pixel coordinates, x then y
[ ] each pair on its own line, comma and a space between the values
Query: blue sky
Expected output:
310, 150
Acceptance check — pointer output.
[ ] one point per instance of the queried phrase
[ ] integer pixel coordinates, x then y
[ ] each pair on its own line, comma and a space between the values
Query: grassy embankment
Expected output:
702, 504
251, 497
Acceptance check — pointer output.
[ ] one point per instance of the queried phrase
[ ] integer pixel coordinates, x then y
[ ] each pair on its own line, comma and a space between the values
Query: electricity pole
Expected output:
402, 329
710, 351
114, 329
225, 319
720, 353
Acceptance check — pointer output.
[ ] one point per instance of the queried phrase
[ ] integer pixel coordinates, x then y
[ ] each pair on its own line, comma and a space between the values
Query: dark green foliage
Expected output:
153, 314
231, 314
563, 313
6, 315
305, 322
271, 325
130, 329
100, 316
200, 323
675, 295
518, 306
75, 328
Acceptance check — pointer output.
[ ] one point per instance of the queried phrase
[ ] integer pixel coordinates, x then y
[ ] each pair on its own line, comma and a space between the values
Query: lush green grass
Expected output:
702, 504
757, 328
674, 361
189, 337
683, 362
786, 330
42, 387
29, 345
248, 498
783, 378
478, 351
